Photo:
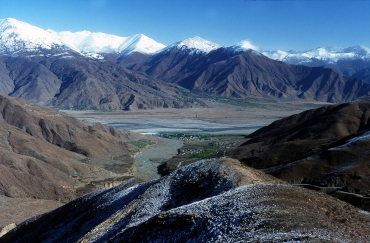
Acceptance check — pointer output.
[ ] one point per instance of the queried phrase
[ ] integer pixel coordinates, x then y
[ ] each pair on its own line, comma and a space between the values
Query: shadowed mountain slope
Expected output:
217, 200
325, 147
74, 81
247, 73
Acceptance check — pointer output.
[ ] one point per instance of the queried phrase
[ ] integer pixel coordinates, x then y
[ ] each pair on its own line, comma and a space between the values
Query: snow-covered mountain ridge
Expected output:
195, 45
17, 37
327, 55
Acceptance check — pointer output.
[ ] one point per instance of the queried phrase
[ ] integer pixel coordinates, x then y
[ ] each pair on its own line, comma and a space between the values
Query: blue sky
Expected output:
274, 24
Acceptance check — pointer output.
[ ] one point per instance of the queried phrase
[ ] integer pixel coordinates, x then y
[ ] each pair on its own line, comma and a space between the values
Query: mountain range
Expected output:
352, 62
101, 71
17, 37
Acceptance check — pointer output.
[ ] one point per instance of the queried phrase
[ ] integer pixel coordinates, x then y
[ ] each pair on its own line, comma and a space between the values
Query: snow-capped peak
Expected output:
89, 42
139, 43
18, 36
197, 44
324, 54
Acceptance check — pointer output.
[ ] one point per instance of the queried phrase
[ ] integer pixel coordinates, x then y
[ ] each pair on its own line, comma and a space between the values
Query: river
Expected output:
148, 160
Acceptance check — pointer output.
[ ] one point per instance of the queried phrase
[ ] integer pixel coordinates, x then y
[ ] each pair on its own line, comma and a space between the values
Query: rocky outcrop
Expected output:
217, 200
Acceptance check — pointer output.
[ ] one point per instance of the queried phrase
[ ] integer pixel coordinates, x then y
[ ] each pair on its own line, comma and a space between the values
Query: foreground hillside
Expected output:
49, 155
217, 200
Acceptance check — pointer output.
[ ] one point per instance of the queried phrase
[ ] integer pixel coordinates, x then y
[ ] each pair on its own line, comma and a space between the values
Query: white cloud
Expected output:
247, 44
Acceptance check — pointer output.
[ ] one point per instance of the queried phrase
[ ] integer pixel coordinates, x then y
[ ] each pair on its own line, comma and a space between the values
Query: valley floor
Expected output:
216, 118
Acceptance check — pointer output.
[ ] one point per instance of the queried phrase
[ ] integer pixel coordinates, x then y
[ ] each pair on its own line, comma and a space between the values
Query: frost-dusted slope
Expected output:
200, 202
101, 215
253, 213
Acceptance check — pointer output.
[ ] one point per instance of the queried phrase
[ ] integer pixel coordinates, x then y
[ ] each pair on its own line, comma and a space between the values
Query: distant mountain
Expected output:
325, 55
216, 200
17, 37
237, 72
89, 70
73, 82
195, 45
351, 62
78, 70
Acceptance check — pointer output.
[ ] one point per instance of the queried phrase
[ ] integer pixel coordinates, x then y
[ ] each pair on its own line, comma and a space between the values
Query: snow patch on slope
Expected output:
353, 142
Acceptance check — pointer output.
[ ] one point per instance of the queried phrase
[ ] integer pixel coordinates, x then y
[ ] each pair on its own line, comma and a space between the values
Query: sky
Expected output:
267, 25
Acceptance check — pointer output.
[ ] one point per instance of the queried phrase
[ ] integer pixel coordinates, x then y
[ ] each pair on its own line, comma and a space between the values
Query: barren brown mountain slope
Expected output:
45, 154
246, 74
76, 81
325, 147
